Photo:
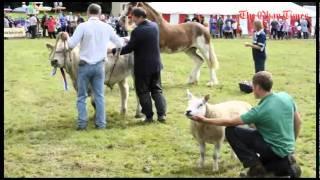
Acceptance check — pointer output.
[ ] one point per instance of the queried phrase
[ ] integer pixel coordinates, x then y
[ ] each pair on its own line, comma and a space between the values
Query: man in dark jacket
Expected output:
43, 25
144, 42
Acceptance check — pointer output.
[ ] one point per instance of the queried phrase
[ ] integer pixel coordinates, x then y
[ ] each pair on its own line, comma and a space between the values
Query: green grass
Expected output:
40, 117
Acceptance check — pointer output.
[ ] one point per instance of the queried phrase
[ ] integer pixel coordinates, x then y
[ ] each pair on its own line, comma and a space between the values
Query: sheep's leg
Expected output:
202, 146
216, 155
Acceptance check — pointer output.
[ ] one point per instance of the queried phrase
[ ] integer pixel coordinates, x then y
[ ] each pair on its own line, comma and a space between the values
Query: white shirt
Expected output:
94, 37
33, 21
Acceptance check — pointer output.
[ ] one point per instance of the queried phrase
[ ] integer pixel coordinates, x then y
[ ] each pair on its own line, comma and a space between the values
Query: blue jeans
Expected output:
95, 75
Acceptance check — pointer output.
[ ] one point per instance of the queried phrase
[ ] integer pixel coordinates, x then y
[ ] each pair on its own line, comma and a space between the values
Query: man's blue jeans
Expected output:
95, 76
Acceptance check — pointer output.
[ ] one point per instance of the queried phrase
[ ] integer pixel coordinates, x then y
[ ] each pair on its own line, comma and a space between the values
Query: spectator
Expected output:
187, 20
51, 24
195, 18
43, 25
234, 28
27, 26
119, 29
304, 28
6, 23
103, 18
274, 27
71, 23
258, 47
63, 22
213, 26
279, 29
201, 19
220, 26
80, 19
33, 26
265, 26
58, 26
285, 29
228, 27
239, 30
298, 29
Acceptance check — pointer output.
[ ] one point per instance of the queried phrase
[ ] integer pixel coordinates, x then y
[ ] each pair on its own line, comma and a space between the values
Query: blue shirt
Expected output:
259, 39
63, 21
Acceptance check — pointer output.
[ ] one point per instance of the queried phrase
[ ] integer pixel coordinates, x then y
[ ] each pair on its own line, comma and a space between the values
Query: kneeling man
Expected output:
269, 148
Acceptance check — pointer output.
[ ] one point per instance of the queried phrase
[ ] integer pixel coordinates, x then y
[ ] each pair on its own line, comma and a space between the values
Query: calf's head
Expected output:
196, 106
58, 53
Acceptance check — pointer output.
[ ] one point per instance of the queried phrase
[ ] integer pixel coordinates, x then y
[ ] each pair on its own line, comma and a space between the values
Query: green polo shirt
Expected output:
274, 120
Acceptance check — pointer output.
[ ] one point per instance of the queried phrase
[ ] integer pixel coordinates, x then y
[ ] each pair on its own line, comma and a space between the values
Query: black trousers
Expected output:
33, 30
305, 35
279, 33
52, 35
248, 143
259, 62
148, 87
44, 30
274, 33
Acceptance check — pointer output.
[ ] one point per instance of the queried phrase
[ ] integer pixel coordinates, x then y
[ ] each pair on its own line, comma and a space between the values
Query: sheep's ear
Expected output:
189, 94
49, 46
206, 98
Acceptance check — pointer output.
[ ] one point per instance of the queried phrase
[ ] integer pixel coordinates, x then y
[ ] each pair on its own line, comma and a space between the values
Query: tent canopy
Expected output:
228, 8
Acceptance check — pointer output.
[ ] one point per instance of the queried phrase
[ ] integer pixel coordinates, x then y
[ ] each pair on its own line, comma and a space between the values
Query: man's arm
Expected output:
75, 39
297, 124
115, 38
130, 46
253, 46
219, 121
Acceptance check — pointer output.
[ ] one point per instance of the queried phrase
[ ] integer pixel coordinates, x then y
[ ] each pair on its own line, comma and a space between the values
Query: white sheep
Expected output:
206, 133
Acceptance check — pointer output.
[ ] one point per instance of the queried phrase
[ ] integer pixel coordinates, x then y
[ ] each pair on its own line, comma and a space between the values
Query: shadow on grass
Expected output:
194, 171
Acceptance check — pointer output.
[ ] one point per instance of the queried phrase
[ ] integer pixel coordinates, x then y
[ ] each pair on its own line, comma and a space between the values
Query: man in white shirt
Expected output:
33, 25
93, 36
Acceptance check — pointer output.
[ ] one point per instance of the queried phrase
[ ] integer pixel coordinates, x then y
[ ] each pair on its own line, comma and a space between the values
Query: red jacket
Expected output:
51, 23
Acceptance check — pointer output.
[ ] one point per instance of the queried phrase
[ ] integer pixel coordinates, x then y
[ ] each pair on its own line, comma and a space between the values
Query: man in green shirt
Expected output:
269, 148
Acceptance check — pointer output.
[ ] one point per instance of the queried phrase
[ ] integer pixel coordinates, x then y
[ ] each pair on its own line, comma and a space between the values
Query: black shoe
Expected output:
257, 170
148, 120
294, 167
162, 119
81, 129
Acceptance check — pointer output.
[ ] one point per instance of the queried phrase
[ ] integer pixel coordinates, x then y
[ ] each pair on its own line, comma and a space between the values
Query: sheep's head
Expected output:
196, 106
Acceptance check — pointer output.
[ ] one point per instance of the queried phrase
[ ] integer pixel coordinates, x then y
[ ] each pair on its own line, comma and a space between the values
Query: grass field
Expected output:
40, 117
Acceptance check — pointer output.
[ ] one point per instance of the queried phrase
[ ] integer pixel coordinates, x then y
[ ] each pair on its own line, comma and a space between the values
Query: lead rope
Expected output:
114, 65
65, 64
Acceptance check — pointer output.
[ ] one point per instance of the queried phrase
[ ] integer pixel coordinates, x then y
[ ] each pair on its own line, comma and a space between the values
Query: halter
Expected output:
64, 51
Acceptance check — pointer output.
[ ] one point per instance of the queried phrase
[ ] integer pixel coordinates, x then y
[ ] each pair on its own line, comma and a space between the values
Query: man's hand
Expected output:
125, 40
198, 118
114, 50
64, 36
246, 44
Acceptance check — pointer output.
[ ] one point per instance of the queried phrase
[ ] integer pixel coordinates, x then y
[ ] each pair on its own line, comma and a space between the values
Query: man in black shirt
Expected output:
195, 19
144, 42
